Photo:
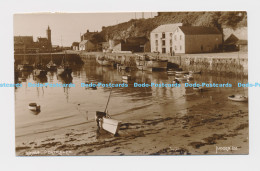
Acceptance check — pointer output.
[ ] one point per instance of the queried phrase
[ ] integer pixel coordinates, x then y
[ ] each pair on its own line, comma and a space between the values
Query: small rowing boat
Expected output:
195, 72
126, 77
238, 98
34, 107
181, 78
198, 88
182, 72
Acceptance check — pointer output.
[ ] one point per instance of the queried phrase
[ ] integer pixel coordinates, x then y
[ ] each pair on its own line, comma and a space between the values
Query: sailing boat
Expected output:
105, 122
64, 69
39, 70
51, 65
25, 66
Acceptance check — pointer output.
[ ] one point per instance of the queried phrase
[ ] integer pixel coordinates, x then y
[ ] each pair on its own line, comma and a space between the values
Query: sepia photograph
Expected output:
131, 83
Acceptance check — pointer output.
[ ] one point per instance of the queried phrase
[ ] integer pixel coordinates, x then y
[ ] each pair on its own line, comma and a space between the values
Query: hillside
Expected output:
143, 27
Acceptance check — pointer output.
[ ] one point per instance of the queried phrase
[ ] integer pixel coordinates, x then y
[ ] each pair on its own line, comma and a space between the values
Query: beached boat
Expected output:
105, 122
110, 125
34, 107
238, 98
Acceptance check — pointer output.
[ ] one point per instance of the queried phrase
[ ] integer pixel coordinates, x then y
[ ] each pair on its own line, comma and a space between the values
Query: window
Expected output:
175, 37
156, 42
156, 35
163, 35
180, 37
163, 42
163, 50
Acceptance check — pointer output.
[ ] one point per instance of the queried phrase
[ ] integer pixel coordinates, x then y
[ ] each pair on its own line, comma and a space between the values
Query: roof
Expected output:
231, 40
84, 42
137, 40
241, 42
167, 28
75, 43
198, 30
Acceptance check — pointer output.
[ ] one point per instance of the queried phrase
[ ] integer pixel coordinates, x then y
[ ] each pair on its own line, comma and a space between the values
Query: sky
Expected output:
67, 27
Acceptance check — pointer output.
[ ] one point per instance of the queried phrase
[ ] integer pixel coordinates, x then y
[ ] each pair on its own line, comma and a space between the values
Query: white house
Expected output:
161, 38
176, 38
87, 45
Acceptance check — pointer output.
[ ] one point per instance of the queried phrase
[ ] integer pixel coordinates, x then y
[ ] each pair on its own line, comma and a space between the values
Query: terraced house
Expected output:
179, 39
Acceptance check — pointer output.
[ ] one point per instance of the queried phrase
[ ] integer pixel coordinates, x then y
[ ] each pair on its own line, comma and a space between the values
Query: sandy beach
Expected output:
207, 126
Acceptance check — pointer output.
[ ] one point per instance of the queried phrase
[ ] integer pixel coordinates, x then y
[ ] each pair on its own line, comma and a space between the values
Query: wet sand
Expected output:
203, 125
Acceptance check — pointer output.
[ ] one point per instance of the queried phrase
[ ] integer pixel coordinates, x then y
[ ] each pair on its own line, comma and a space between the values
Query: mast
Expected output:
108, 99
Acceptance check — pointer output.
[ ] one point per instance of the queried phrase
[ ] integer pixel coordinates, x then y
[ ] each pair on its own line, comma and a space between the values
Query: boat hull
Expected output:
39, 72
238, 98
104, 62
34, 107
151, 65
110, 125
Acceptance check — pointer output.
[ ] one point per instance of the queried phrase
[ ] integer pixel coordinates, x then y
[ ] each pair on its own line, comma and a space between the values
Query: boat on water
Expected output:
103, 61
39, 70
182, 72
175, 81
148, 63
51, 66
25, 66
34, 107
126, 77
238, 98
122, 67
189, 77
181, 78
198, 88
195, 72
171, 72
64, 69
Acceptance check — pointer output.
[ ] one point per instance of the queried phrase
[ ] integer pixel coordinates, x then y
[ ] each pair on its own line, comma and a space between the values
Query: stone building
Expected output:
87, 45
178, 39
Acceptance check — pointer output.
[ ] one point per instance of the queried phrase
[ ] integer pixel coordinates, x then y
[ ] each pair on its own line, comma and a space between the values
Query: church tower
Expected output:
48, 32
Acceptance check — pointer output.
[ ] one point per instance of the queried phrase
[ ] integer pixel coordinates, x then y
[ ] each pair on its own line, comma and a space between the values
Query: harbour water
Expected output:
64, 108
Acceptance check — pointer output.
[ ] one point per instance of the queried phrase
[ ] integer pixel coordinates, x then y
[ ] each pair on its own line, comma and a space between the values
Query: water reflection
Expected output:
60, 103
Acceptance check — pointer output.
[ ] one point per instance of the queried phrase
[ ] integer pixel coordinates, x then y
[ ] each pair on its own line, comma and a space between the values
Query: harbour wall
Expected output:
229, 63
